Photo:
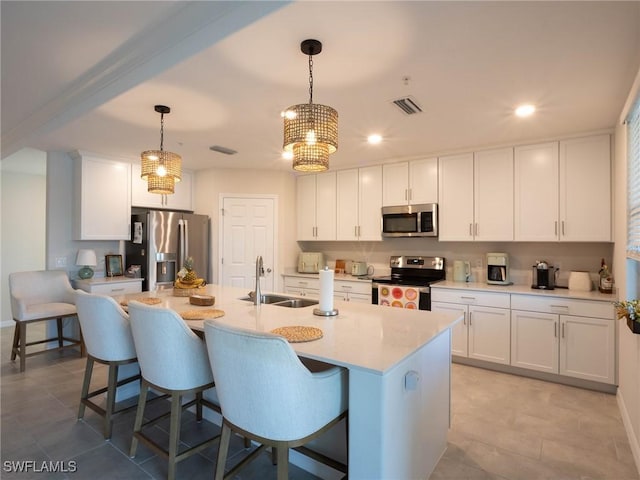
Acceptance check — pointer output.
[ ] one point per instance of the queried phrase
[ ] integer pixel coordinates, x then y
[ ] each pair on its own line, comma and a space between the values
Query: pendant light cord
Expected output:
161, 130
310, 79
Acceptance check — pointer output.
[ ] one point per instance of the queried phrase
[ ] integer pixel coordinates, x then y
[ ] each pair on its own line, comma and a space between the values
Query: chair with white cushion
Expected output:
108, 340
173, 360
268, 395
39, 296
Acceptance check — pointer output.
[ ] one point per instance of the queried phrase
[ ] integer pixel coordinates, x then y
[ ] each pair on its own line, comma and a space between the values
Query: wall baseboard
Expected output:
634, 441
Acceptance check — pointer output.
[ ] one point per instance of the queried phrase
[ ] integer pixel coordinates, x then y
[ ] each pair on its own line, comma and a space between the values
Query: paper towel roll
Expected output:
326, 290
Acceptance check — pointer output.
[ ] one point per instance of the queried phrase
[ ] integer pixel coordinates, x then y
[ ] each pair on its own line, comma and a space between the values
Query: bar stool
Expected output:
40, 296
173, 360
268, 395
107, 335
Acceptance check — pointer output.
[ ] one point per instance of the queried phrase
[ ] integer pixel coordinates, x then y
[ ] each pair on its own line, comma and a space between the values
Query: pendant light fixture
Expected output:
310, 129
161, 169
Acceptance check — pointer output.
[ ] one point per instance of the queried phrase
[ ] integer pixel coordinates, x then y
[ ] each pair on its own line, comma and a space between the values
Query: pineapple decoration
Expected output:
187, 277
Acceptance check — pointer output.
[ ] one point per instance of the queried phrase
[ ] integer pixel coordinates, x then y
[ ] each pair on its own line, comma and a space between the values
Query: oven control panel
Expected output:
404, 261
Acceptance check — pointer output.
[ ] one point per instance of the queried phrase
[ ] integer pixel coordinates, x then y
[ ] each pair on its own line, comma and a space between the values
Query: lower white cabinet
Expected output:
484, 333
578, 341
111, 286
302, 287
347, 291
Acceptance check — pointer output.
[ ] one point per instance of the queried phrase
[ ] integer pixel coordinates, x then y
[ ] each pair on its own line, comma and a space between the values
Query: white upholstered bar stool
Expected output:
39, 296
268, 395
173, 360
108, 340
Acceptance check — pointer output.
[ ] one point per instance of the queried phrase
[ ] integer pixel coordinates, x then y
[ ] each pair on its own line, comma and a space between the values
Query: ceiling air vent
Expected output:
408, 105
225, 150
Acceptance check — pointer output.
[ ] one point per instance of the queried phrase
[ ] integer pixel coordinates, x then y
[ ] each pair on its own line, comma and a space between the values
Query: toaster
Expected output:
310, 262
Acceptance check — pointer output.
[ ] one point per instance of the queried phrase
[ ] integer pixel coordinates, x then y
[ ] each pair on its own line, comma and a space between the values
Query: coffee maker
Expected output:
544, 276
498, 269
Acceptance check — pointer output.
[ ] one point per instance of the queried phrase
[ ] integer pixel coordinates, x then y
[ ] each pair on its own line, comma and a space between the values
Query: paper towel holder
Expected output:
325, 313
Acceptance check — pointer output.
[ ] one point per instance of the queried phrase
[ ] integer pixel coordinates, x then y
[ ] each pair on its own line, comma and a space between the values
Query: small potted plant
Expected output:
630, 310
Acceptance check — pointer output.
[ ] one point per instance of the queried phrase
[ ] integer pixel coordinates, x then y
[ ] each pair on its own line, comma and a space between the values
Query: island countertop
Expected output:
361, 336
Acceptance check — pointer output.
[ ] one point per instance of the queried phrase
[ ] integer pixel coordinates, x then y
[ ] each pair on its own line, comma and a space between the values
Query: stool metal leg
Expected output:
223, 450
174, 433
111, 399
16, 341
88, 371
142, 400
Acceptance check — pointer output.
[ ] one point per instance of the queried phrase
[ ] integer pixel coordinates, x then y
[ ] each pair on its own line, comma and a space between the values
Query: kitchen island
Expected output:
399, 374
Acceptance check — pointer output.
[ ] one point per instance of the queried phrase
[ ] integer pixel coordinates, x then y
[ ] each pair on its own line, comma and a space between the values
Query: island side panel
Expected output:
398, 421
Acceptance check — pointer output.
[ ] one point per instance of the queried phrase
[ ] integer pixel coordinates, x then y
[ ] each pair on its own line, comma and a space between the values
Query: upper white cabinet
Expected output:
563, 191
410, 182
182, 199
359, 199
476, 196
102, 200
585, 189
316, 202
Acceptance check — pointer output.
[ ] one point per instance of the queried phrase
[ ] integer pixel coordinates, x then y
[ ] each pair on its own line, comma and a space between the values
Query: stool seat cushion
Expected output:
44, 310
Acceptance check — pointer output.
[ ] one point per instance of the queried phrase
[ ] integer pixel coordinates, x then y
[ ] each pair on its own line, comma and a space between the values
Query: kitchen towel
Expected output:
396, 296
326, 290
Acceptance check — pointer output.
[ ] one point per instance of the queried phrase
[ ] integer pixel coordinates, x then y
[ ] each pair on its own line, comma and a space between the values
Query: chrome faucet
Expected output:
257, 299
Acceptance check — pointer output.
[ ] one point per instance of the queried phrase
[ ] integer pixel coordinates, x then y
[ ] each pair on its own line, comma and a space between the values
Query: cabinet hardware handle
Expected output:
467, 298
562, 330
471, 229
566, 307
355, 230
406, 194
477, 229
464, 318
555, 329
410, 194
563, 228
117, 289
346, 287
302, 283
470, 319
555, 227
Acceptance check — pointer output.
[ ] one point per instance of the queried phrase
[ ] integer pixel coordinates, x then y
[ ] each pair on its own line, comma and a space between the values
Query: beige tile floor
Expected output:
503, 427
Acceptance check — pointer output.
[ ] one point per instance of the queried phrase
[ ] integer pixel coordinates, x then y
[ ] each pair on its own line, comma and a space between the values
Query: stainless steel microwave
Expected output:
410, 220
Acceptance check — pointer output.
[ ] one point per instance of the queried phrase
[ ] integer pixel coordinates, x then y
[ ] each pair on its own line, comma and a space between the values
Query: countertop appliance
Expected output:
410, 220
498, 269
408, 284
162, 240
461, 271
310, 262
359, 269
544, 276
580, 281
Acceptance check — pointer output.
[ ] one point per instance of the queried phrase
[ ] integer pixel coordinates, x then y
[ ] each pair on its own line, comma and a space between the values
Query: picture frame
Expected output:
113, 265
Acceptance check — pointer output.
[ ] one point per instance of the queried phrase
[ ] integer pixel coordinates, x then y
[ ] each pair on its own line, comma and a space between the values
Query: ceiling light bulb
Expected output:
374, 139
525, 110
161, 171
289, 114
287, 155
152, 157
310, 137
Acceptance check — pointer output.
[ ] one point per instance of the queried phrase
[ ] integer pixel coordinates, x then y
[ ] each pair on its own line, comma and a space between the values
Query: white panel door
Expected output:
455, 184
395, 184
490, 334
535, 340
423, 181
370, 203
493, 195
247, 231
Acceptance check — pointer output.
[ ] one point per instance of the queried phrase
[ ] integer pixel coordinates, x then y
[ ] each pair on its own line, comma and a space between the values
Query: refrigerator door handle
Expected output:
181, 244
185, 238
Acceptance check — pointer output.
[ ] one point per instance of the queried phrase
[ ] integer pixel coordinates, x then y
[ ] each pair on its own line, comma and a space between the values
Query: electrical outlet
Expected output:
61, 261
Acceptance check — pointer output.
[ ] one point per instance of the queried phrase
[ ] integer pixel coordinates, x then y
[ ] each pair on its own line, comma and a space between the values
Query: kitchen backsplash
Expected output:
522, 255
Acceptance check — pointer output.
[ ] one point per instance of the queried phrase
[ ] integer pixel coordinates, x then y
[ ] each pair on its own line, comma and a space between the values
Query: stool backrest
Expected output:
264, 388
170, 355
105, 328
39, 287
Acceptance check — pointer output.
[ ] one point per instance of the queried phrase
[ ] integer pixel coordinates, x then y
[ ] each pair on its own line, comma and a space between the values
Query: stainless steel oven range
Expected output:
408, 284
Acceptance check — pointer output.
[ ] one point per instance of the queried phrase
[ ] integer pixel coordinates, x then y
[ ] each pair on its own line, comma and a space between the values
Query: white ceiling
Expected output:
86, 75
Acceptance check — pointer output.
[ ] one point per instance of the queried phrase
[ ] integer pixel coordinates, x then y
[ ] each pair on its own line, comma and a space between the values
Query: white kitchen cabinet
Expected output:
585, 189
102, 199
316, 203
112, 286
486, 327
359, 199
476, 196
348, 291
410, 183
182, 199
302, 287
569, 337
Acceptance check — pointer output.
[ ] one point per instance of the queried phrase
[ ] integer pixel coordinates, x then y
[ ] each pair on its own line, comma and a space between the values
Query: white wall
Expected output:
23, 206
209, 184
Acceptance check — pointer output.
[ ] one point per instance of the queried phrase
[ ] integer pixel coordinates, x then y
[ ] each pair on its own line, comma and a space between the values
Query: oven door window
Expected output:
400, 223
426, 222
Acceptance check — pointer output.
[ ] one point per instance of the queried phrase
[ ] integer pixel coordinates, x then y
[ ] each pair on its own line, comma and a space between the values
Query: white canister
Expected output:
580, 282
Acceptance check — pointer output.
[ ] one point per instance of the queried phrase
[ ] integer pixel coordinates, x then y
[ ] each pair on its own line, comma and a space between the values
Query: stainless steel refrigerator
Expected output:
162, 240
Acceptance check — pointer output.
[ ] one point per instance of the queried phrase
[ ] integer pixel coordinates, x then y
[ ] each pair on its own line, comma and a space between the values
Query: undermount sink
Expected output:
283, 301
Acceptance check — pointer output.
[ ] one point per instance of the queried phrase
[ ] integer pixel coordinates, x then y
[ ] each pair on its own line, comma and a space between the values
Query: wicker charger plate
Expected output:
298, 334
201, 314
145, 300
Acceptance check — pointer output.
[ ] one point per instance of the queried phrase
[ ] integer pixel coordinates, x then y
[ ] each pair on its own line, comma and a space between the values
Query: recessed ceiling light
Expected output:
525, 110
374, 139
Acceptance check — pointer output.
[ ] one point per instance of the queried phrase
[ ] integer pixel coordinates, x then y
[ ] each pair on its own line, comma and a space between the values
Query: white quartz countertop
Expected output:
526, 289
361, 336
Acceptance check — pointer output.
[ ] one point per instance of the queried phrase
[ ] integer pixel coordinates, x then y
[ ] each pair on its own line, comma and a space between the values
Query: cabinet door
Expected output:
103, 199
370, 203
423, 181
536, 192
493, 195
587, 348
182, 199
306, 207
585, 189
459, 345
347, 204
326, 206
359, 298
534, 340
490, 334
395, 186
455, 184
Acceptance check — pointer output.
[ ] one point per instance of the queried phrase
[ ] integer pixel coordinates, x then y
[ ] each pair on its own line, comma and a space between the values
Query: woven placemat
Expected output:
145, 300
201, 314
298, 334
